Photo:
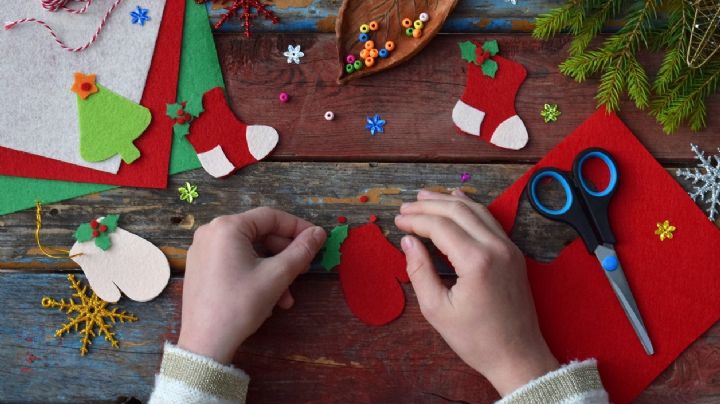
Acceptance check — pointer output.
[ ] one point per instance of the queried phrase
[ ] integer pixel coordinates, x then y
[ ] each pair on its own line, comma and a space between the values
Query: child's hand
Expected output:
488, 317
229, 289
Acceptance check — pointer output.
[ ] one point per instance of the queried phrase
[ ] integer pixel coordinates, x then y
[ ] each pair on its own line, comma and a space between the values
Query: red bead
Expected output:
96, 233
342, 219
373, 218
364, 199
86, 86
94, 224
179, 112
103, 229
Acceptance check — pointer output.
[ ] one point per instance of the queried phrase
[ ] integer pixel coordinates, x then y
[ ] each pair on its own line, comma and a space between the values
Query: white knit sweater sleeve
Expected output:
192, 379
574, 383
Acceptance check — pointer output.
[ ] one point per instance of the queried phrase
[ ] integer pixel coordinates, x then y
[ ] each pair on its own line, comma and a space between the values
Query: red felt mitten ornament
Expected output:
487, 106
371, 271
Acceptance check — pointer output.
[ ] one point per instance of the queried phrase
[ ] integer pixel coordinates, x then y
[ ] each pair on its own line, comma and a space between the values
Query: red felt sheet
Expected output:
151, 169
676, 282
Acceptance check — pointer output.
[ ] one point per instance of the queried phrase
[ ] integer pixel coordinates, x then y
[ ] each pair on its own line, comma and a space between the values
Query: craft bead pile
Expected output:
370, 53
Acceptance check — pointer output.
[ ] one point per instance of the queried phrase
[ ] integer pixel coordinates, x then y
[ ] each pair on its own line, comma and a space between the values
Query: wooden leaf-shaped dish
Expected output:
389, 15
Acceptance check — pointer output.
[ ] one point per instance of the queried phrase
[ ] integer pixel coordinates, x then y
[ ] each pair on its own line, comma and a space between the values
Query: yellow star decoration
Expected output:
91, 312
665, 230
188, 192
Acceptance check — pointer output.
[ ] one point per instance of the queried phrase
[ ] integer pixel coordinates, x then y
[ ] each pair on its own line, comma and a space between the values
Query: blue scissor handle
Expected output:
562, 179
597, 201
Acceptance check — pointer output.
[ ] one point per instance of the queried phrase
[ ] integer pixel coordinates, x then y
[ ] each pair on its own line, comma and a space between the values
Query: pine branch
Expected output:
568, 16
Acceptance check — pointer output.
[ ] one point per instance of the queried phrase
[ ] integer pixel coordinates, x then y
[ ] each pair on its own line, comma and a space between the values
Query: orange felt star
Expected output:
84, 85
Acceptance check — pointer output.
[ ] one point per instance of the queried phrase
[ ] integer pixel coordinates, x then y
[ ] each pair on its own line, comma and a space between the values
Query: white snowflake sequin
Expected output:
293, 54
709, 189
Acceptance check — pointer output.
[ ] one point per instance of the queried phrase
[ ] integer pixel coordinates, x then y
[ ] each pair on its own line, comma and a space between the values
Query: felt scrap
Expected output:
371, 271
199, 71
133, 265
151, 169
676, 286
331, 250
42, 120
109, 123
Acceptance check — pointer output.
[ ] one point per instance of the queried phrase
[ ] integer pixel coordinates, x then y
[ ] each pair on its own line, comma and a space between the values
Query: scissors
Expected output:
586, 210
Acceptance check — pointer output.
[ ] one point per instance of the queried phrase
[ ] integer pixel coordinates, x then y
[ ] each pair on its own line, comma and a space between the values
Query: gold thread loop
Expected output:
48, 251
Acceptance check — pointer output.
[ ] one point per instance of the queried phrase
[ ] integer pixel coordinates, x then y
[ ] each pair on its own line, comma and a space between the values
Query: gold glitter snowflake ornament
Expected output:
89, 315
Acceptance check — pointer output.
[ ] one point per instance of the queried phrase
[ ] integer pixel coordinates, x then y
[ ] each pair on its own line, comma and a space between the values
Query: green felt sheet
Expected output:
199, 72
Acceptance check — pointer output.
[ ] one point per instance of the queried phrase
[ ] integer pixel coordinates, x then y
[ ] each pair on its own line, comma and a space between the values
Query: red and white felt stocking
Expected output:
222, 142
487, 107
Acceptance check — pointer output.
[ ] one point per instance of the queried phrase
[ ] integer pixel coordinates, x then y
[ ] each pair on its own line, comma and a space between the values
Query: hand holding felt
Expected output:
675, 282
128, 263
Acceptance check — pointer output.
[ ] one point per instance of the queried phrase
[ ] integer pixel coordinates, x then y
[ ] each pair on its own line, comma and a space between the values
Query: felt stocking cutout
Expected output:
487, 107
115, 260
222, 142
371, 270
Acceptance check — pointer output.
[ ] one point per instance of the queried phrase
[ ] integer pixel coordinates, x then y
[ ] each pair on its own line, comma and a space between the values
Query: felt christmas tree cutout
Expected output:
109, 122
223, 143
116, 260
487, 106
371, 270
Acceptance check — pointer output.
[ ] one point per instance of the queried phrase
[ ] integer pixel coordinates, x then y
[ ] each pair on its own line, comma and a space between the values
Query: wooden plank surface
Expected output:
316, 352
416, 100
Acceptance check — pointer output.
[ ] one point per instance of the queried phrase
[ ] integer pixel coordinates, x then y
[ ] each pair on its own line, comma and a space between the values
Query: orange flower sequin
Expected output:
84, 85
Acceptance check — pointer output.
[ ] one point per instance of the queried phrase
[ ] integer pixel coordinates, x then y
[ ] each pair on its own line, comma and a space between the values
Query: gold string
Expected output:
48, 251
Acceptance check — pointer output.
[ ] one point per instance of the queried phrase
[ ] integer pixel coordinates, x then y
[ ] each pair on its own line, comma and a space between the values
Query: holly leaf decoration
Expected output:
181, 129
331, 254
111, 222
103, 241
83, 233
491, 47
172, 110
489, 67
194, 106
467, 51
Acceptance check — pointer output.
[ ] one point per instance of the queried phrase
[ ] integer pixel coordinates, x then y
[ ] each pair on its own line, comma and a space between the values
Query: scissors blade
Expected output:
622, 291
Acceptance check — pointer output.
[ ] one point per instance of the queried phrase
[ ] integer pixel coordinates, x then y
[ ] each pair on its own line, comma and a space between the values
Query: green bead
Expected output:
409, 31
364, 28
418, 24
358, 64
349, 68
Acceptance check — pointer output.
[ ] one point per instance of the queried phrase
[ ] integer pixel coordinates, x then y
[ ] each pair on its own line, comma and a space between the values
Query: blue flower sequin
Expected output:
375, 125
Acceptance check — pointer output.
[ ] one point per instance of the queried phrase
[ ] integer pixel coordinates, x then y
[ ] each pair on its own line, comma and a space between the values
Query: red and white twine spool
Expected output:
55, 5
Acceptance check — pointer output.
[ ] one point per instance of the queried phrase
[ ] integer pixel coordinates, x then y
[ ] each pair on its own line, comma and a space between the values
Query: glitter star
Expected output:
665, 230
550, 113
188, 192
294, 54
140, 16
375, 125
91, 311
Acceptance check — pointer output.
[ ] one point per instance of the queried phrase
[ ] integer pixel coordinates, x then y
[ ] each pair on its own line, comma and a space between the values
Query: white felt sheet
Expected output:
38, 112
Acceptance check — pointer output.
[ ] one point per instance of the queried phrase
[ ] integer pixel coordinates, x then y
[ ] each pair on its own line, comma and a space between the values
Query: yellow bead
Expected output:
418, 24
417, 33
407, 23
373, 53
369, 62
364, 53
373, 25
369, 45
364, 28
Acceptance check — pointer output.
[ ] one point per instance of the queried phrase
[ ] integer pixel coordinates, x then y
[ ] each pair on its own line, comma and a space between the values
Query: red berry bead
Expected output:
96, 233
364, 198
94, 223
342, 219
373, 218
103, 228
179, 112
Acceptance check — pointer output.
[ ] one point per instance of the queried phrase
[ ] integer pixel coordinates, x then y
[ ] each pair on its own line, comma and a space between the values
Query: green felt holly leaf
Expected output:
467, 51
83, 233
111, 222
103, 241
331, 254
194, 106
181, 129
491, 47
489, 67
172, 110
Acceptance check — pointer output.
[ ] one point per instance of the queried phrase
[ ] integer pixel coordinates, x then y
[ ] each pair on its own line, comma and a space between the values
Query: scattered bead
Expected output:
369, 61
369, 45
665, 230
364, 37
390, 46
406, 23
342, 219
363, 199
364, 53
373, 25
374, 53
417, 33
329, 116
409, 31
424, 17
383, 53
364, 28
418, 24
350, 59
349, 68
373, 218
284, 97
465, 177
358, 65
